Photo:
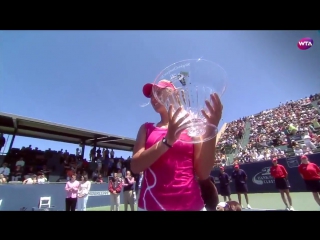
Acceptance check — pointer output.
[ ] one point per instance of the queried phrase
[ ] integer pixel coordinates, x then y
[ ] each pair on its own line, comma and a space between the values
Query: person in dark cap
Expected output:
224, 184
229, 206
280, 175
240, 180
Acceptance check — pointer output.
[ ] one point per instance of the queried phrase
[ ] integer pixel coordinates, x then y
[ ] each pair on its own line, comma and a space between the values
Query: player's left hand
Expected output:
215, 110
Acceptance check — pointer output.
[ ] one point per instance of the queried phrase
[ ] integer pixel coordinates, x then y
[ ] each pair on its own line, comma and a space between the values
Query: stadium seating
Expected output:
291, 129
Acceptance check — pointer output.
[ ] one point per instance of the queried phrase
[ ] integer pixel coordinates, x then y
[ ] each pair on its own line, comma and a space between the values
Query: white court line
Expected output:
261, 209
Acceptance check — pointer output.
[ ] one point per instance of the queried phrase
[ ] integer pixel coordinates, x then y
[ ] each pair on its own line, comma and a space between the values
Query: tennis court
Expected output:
301, 202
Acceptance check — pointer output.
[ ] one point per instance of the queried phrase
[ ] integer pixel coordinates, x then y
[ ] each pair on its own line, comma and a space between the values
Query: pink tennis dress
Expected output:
169, 184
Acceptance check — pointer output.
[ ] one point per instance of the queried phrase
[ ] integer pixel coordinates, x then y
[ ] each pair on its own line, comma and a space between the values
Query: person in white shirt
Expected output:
5, 170
20, 162
298, 151
260, 157
31, 180
83, 193
41, 179
308, 143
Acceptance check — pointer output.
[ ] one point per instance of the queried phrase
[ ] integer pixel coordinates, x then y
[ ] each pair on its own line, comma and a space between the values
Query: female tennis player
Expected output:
173, 168
280, 175
224, 179
310, 173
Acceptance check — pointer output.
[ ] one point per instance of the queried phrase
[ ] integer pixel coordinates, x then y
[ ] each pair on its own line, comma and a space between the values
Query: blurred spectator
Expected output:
16, 175
5, 171
71, 189
46, 171
99, 153
41, 179
128, 189
95, 175
105, 153
78, 153
20, 162
30, 180
308, 142
119, 166
2, 179
115, 187
92, 154
314, 97
99, 165
83, 193
298, 150
306, 150
99, 179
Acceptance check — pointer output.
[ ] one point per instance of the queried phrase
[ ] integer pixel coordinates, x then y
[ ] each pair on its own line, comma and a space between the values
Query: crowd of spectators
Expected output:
25, 165
30, 166
292, 128
230, 140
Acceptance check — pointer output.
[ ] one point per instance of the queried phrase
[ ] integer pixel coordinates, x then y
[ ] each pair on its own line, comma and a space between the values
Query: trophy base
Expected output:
197, 132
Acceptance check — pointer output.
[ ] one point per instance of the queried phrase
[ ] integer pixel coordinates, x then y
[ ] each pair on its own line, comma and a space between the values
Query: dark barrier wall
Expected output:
16, 196
260, 180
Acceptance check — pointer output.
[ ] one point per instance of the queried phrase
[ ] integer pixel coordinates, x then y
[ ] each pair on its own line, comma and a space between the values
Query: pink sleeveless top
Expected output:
169, 184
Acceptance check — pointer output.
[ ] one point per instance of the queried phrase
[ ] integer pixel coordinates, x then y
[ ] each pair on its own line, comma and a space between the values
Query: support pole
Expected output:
95, 147
83, 146
14, 120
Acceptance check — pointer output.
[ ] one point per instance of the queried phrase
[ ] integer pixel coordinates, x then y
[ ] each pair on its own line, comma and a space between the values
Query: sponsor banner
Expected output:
98, 193
263, 177
259, 177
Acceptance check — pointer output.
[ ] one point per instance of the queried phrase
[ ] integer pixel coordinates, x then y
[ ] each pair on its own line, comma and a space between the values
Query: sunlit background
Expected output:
93, 79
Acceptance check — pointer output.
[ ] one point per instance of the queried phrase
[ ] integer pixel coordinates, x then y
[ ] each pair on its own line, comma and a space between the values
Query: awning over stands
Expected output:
33, 128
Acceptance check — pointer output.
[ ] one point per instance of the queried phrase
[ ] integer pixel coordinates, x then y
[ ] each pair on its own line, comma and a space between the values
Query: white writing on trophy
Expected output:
174, 69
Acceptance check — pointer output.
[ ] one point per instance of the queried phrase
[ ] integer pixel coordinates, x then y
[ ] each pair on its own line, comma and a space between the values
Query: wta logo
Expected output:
305, 43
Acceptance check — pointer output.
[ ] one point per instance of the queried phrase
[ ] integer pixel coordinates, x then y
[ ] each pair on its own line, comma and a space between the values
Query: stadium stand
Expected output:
30, 165
291, 129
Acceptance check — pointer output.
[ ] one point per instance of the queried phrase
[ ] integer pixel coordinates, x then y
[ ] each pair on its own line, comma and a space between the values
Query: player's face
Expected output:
157, 106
